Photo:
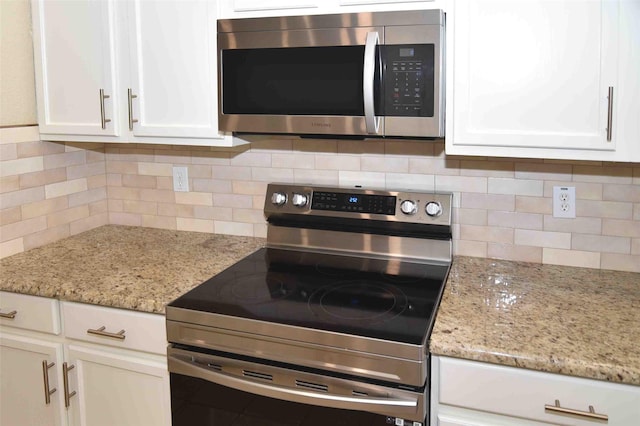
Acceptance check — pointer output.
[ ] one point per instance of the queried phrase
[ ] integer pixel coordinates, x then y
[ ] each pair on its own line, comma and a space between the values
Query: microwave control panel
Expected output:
408, 80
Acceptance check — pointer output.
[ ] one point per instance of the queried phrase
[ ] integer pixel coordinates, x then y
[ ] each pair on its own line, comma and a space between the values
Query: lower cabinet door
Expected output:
117, 387
22, 382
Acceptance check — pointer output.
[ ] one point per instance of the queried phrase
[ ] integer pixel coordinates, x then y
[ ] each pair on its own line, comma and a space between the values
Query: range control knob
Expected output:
433, 208
278, 198
299, 200
409, 207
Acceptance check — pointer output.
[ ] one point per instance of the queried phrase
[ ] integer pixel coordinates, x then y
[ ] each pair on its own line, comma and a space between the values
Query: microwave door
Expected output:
300, 81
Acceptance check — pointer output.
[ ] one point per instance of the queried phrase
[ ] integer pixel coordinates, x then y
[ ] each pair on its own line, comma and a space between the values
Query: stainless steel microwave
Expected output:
377, 74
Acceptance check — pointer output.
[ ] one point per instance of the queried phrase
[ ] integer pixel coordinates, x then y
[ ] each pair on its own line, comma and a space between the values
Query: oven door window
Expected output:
294, 81
198, 402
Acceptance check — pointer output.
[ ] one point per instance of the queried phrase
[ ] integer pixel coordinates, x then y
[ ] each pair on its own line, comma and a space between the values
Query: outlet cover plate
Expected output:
564, 201
180, 179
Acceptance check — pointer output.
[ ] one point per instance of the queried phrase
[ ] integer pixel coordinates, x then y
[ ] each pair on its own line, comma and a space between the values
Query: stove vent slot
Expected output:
256, 375
214, 366
356, 393
312, 386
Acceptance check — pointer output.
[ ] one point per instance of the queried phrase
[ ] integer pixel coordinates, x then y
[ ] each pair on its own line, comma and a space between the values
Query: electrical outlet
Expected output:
564, 201
180, 179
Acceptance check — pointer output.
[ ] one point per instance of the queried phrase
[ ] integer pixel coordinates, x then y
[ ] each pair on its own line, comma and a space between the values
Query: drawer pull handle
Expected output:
9, 315
65, 376
591, 414
100, 332
45, 373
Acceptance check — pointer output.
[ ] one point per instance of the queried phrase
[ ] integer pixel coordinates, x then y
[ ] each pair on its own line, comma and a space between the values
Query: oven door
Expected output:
312, 81
210, 389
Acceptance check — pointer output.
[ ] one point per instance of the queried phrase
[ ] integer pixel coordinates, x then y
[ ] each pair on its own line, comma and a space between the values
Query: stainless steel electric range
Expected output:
327, 325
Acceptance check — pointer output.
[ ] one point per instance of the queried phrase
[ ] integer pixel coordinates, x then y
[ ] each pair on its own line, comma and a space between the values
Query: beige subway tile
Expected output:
140, 207
384, 164
231, 173
330, 146
258, 201
21, 166
292, 160
114, 179
620, 262
409, 147
123, 167
582, 259
65, 188
51, 148
233, 200
625, 193
248, 216
635, 246
531, 188
252, 159
214, 186
44, 207
316, 177
160, 196
365, 179
233, 228
260, 230
161, 222
470, 200
9, 248
486, 233
583, 225
96, 156
259, 174
194, 225
122, 193
514, 252
30, 149
67, 216
44, 177
194, 198
604, 209
98, 181
127, 153
22, 228
199, 171
527, 237
461, 184
166, 182
98, 207
336, 162
249, 187
86, 170
271, 143
503, 169
349, 147
176, 210
139, 181
434, 165
19, 134
470, 248
636, 211
115, 205
47, 236
176, 156
616, 174
10, 215
66, 159
584, 190
9, 183
515, 220
213, 158
215, 213
154, 169
23, 196
470, 217
534, 205
621, 228
601, 243
411, 182
127, 219
8, 151
543, 171
88, 223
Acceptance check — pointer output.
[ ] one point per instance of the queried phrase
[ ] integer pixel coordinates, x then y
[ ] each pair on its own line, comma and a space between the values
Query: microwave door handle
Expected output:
368, 74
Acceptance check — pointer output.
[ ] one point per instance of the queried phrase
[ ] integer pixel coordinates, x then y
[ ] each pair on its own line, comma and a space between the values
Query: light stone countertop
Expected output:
134, 268
574, 321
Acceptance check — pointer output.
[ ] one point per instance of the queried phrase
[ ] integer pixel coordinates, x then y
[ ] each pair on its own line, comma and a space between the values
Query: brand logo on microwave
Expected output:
317, 124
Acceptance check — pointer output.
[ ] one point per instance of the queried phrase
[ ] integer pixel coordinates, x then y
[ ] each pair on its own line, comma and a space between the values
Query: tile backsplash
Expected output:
503, 207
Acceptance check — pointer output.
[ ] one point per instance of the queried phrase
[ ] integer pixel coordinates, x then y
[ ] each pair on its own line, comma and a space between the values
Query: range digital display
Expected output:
356, 203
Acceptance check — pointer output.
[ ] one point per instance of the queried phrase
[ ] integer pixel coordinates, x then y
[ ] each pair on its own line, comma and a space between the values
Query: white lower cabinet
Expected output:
470, 393
102, 366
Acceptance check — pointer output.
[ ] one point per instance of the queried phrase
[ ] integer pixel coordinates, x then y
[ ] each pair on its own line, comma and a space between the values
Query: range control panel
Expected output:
402, 206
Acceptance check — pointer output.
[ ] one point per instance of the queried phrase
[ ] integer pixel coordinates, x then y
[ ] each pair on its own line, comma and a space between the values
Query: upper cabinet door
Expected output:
532, 77
74, 50
172, 48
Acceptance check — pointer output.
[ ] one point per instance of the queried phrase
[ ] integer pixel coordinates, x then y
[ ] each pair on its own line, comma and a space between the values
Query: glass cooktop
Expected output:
382, 299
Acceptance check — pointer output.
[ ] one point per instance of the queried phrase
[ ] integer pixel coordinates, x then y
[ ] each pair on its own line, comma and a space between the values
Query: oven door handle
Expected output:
194, 369
368, 76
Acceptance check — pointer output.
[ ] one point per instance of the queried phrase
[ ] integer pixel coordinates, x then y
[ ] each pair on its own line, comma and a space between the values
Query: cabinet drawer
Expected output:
29, 312
524, 393
125, 329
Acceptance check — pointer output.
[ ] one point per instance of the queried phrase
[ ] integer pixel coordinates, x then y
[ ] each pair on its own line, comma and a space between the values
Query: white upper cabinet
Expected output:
532, 78
74, 45
154, 60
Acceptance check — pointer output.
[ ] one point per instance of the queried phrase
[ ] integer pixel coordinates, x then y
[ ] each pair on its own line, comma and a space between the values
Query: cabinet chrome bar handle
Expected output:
610, 114
131, 97
45, 374
100, 332
591, 414
9, 315
65, 377
103, 120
